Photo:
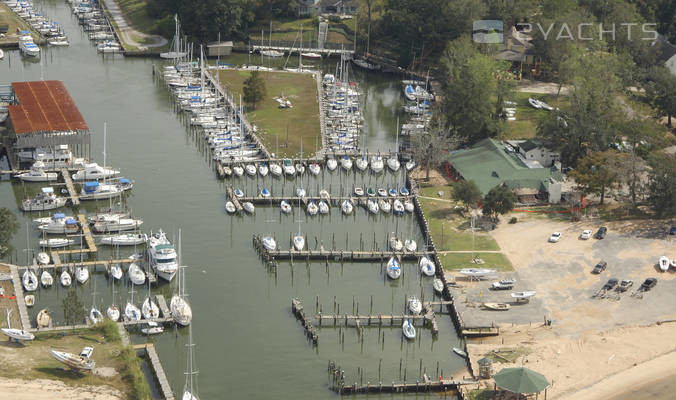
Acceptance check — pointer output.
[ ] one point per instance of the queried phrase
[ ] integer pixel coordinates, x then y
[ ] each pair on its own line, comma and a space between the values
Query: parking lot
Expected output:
561, 275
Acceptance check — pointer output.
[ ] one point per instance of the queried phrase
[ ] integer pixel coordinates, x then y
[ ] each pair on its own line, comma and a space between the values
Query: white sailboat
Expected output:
410, 245
414, 305
73, 361
16, 334
395, 244
149, 309
427, 266
65, 278
393, 268
190, 386
81, 274
113, 312
346, 207
29, 280
408, 329
129, 239
94, 314
269, 243
136, 274
131, 312
178, 305
46, 279
56, 242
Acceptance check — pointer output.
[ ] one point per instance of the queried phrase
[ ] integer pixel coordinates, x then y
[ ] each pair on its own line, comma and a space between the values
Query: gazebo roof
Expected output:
521, 380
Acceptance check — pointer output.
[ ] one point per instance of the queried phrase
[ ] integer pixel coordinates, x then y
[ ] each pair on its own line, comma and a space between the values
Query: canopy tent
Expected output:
520, 380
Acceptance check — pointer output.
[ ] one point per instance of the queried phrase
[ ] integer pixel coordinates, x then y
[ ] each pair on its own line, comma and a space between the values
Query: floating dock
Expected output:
74, 198
158, 370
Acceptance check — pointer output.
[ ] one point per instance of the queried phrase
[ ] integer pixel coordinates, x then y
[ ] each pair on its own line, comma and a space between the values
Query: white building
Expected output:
535, 152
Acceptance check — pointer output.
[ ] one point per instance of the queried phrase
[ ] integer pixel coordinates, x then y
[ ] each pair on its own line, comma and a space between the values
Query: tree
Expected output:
499, 200
428, 148
8, 227
661, 90
254, 89
467, 192
597, 172
662, 186
73, 309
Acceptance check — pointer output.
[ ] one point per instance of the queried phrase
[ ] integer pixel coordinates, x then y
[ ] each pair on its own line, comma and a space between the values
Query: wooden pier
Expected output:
310, 331
231, 195
162, 303
74, 198
426, 385
158, 370
333, 200
20, 302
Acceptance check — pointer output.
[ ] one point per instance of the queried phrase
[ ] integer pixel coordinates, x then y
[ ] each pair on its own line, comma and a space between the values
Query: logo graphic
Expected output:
487, 31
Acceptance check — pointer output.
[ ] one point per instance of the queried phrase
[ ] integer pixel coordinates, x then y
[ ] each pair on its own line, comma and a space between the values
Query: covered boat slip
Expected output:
42, 114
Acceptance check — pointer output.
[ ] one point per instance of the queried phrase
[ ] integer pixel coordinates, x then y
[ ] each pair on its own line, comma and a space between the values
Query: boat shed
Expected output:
490, 163
42, 114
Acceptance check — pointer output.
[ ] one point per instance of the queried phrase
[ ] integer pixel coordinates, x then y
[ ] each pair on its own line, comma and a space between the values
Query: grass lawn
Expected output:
300, 122
456, 261
8, 17
135, 13
289, 29
525, 126
36, 362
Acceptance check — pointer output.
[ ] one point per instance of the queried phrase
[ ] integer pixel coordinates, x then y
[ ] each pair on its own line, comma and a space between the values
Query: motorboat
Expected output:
43, 319
29, 299
81, 274
113, 312
238, 170
409, 206
116, 223
414, 305
129, 239
496, 306
377, 164
504, 284
93, 190
43, 201
250, 170
288, 168
46, 279
403, 191
298, 241
43, 258
398, 207
275, 169
65, 279
460, 352
265, 193
370, 192
323, 207
29, 280
162, 256
312, 208
362, 163
131, 312
37, 174
59, 156
346, 207
136, 274
427, 266
60, 224
382, 192
358, 191
477, 273
410, 165
438, 285
384, 205
410, 245
408, 329
346, 163
311, 56
73, 361
331, 164
395, 244
95, 315
269, 243
55, 242
230, 207
17, 334
28, 47
238, 193
248, 207
393, 164
94, 171
149, 309
116, 271
663, 263
314, 168
153, 328
523, 295
393, 268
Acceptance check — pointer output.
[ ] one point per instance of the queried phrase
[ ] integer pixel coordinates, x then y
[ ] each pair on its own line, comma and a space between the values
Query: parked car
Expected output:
601, 233
612, 282
672, 231
625, 285
600, 267
648, 284
87, 352
555, 237
586, 234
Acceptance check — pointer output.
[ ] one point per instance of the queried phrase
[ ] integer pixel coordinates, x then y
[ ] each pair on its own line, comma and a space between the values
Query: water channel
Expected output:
248, 343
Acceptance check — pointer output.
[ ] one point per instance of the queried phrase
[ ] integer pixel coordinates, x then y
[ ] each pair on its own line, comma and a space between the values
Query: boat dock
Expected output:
231, 195
158, 370
20, 302
333, 200
292, 49
74, 198
162, 303
310, 331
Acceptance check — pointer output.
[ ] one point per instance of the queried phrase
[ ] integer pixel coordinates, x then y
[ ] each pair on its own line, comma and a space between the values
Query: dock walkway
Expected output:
74, 198
18, 291
158, 370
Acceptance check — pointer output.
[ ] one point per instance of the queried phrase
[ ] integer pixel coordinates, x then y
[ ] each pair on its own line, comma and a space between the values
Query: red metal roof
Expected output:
44, 106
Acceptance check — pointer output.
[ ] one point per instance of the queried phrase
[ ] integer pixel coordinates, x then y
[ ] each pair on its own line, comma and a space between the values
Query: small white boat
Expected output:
395, 244
496, 306
149, 309
477, 273
362, 163
275, 169
263, 169
45, 200
238, 170
438, 285
248, 207
323, 207
153, 328
265, 193
346, 207
504, 284
410, 245
43, 258
95, 315
382, 192
377, 164
65, 279
663, 263
29, 280
311, 56
393, 268
285, 206
250, 169
408, 329
46, 279
56, 242
73, 361
409, 206
269, 243
136, 274
331, 164
324, 195
131, 312
288, 168
298, 241
414, 305
29, 299
94, 171
358, 191
373, 206
116, 272
385, 206
238, 193
300, 192
81, 274
230, 207
427, 266
17, 334
314, 168
410, 165
346, 163
523, 295
393, 164
300, 168
129, 239
43, 319
113, 312
460, 352
534, 103
398, 207
37, 174
312, 208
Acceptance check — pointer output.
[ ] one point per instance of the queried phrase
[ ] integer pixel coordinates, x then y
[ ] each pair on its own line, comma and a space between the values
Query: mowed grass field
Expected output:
301, 121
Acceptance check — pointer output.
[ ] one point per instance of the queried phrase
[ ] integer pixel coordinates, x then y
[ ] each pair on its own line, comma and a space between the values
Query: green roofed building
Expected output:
490, 163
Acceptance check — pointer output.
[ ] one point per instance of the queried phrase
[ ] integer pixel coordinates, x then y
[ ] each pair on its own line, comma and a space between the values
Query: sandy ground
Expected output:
601, 346
44, 389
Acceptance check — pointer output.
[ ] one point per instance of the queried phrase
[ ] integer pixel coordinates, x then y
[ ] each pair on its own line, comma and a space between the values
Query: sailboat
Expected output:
113, 312
65, 278
408, 329
81, 274
16, 334
347, 207
393, 268
190, 386
149, 309
178, 305
176, 53
131, 312
298, 238
46, 279
30, 280
427, 266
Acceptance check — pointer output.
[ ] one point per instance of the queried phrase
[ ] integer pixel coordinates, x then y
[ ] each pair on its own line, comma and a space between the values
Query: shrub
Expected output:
512, 220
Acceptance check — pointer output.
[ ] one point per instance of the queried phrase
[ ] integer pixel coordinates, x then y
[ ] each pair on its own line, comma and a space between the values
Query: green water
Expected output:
249, 345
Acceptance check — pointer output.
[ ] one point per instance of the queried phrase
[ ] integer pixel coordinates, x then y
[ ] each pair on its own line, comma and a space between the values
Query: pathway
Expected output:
127, 32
